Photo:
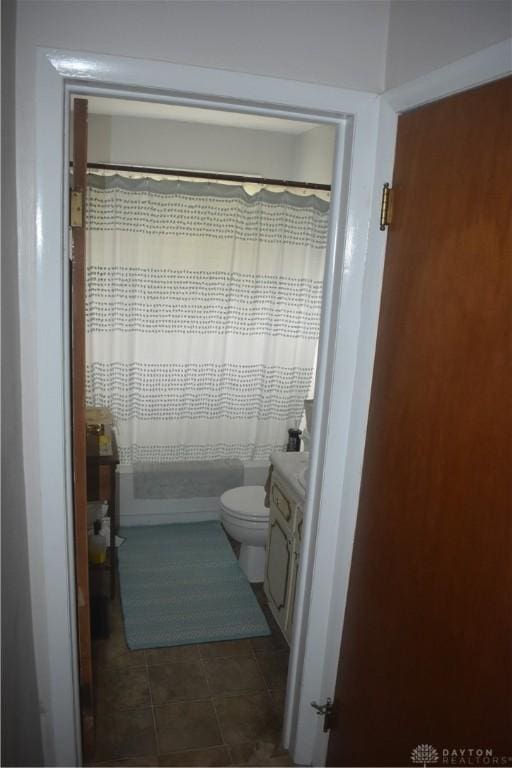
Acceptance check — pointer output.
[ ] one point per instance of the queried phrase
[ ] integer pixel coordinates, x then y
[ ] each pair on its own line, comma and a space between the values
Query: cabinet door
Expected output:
278, 570
294, 573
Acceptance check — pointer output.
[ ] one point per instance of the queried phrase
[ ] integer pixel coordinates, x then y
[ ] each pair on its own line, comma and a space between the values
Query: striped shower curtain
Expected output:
203, 310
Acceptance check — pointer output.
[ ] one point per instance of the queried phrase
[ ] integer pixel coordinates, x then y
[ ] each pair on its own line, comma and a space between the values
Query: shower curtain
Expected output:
203, 308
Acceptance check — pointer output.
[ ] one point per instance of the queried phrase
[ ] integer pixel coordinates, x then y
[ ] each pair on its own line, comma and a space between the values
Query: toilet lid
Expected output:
246, 501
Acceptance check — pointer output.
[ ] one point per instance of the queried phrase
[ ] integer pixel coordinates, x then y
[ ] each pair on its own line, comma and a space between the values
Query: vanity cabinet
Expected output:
278, 570
283, 551
295, 566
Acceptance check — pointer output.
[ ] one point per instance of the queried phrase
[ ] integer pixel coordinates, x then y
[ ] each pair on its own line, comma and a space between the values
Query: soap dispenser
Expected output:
294, 440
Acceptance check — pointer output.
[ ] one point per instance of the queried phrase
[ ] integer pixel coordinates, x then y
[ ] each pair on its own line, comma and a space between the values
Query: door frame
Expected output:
352, 281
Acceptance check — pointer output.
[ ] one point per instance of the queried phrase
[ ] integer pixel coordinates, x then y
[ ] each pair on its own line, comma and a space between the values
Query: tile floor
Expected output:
217, 704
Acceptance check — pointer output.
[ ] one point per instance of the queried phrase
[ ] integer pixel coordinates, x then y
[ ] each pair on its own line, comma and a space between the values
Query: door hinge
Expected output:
386, 207
76, 209
327, 712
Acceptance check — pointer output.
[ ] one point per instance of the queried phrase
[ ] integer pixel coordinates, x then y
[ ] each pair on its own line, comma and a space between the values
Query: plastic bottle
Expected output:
294, 440
97, 545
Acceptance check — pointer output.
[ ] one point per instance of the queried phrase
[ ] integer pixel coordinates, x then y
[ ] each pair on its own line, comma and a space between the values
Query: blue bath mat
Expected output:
182, 584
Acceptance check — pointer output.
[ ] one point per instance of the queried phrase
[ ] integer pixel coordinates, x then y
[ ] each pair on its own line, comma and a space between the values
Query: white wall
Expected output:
197, 146
336, 43
21, 734
427, 34
314, 154
99, 130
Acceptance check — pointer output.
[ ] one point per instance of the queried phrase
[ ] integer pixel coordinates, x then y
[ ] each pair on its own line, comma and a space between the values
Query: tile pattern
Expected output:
217, 704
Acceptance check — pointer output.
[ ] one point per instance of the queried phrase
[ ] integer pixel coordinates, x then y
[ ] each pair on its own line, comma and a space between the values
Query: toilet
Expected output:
245, 517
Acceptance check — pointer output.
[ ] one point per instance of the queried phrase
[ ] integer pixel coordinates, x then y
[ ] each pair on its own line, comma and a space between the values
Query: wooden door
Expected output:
426, 648
79, 428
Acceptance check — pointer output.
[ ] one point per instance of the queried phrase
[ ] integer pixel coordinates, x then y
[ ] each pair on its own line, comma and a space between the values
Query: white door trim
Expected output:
471, 71
60, 73
329, 585
345, 363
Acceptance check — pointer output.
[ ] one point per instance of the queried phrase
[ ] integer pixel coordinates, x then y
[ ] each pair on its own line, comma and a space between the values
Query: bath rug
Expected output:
181, 584
186, 479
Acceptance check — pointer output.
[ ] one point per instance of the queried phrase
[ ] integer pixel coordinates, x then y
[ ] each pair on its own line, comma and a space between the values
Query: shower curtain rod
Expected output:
213, 176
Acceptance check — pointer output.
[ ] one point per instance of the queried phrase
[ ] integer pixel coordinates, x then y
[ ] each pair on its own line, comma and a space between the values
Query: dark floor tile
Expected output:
116, 626
125, 734
129, 762
226, 648
172, 654
269, 643
274, 667
279, 697
259, 754
272, 623
118, 689
183, 680
276, 640
116, 630
113, 652
233, 675
259, 591
218, 756
261, 597
116, 611
116, 617
250, 717
186, 725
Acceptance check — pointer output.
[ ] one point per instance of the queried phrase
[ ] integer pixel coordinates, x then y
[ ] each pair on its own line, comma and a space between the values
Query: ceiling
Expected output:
132, 108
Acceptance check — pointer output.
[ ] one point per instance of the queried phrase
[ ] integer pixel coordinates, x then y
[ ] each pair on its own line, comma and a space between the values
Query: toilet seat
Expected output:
246, 503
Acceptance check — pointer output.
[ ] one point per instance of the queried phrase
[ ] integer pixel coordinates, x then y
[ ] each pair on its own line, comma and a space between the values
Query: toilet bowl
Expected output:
245, 517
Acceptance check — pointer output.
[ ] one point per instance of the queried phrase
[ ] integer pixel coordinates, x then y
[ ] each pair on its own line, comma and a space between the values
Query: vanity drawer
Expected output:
282, 503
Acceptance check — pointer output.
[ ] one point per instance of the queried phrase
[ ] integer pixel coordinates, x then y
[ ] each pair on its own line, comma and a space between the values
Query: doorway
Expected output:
121, 685
343, 352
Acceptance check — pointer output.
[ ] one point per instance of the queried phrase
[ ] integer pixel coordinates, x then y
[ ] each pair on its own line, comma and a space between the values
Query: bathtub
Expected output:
134, 511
